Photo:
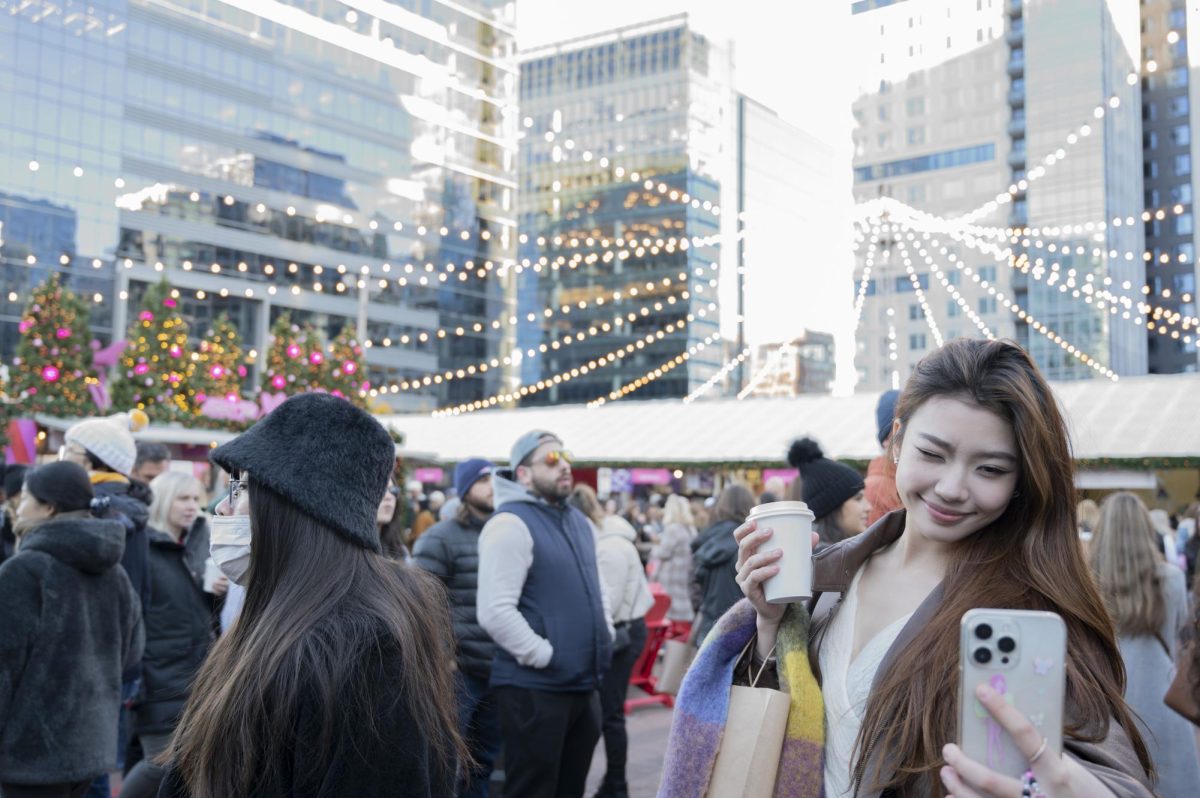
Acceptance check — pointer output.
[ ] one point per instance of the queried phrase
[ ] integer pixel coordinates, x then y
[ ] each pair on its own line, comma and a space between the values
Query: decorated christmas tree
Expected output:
152, 373
295, 359
52, 371
218, 365
347, 373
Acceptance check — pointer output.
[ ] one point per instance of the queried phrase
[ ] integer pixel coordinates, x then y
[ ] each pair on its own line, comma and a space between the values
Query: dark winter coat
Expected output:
381, 756
130, 504
450, 551
70, 622
179, 627
714, 558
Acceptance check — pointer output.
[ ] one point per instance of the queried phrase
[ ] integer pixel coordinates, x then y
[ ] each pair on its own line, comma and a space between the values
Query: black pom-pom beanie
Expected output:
826, 484
324, 455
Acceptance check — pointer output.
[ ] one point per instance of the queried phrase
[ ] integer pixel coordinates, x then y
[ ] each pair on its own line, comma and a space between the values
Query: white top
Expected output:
845, 686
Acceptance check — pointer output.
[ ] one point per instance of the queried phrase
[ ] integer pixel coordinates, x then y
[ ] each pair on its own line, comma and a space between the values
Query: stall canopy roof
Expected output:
1135, 418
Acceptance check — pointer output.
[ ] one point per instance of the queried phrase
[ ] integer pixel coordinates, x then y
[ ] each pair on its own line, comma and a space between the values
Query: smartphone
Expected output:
1021, 654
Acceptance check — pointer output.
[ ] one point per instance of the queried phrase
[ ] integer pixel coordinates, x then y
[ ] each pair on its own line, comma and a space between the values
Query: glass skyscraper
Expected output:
349, 163
628, 159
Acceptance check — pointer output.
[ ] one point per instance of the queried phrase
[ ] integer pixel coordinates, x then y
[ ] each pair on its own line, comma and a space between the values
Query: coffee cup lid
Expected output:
780, 507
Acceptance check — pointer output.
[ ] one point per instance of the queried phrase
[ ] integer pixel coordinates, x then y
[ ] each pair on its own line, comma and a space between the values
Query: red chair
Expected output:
657, 630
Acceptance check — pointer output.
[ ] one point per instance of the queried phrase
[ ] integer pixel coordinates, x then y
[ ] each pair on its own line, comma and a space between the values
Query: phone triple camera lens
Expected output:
983, 656
983, 631
1006, 645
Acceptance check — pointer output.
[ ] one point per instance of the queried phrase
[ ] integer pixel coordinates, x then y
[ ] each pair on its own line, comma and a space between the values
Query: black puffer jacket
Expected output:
179, 628
130, 504
450, 551
714, 558
69, 624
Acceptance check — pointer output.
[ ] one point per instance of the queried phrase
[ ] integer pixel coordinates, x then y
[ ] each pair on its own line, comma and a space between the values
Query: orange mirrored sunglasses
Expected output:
552, 457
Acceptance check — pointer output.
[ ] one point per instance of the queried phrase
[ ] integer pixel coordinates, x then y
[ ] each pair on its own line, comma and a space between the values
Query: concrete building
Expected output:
966, 112
804, 365
352, 164
628, 170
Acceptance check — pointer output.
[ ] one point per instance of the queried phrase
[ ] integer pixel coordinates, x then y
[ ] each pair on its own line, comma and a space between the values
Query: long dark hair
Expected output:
734, 504
1029, 558
317, 608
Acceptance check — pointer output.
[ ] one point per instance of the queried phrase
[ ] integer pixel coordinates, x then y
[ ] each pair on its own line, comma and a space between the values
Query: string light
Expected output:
916, 284
869, 264
566, 376
653, 374
954, 294
733, 363
773, 362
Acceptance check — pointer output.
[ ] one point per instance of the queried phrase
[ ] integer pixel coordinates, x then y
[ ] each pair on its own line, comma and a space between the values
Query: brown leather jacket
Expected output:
1113, 760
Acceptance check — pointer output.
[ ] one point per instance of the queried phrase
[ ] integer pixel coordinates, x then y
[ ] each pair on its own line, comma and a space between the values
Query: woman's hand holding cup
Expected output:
753, 569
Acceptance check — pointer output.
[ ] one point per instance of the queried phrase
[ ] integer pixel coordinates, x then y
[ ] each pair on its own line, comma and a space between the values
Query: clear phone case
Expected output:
1021, 655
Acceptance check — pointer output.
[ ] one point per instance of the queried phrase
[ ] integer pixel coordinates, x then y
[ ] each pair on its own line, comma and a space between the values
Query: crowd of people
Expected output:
322, 627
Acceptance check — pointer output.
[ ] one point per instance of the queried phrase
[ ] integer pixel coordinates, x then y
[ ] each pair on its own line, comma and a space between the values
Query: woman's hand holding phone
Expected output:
1057, 776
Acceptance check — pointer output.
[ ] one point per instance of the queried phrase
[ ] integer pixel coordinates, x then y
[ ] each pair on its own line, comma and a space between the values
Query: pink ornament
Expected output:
25, 326
316, 358
149, 382
338, 394
51, 374
242, 371
349, 367
293, 351
140, 368
173, 379
36, 308
145, 315
217, 371
278, 381
63, 332
77, 374
16, 361
37, 341
231, 396
201, 398
175, 351
366, 386
32, 392
170, 303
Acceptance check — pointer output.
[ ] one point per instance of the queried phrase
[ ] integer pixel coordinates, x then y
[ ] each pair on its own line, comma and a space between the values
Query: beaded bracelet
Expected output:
1029, 786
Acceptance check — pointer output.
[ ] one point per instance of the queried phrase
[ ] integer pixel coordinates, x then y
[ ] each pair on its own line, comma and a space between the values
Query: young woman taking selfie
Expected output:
985, 472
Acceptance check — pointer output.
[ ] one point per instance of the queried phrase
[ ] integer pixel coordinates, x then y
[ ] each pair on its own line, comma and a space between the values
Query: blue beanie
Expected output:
468, 472
885, 414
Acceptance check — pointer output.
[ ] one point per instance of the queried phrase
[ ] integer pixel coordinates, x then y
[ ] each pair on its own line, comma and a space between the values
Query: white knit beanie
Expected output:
110, 439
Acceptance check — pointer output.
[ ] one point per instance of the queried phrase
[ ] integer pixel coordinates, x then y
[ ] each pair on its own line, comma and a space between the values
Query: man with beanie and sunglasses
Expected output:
540, 599
450, 551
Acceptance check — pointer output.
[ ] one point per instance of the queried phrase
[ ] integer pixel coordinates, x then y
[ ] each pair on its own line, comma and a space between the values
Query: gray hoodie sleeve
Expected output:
505, 557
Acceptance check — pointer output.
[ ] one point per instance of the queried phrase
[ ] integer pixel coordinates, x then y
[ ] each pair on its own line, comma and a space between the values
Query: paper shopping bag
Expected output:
677, 658
751, 744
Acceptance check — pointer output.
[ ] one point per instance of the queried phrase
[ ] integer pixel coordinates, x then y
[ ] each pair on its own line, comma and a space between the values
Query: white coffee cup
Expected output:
211, 574
791, 523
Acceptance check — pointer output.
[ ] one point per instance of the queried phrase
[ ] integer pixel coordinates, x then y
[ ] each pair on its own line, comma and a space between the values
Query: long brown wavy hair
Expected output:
1124, 557
1029, 558
319, 611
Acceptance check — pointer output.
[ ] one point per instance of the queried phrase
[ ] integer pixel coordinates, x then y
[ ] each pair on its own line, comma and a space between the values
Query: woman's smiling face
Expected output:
958, 468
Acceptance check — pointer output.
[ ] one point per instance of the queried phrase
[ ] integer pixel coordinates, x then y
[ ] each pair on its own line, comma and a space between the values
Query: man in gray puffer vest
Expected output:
450, 551
540, 598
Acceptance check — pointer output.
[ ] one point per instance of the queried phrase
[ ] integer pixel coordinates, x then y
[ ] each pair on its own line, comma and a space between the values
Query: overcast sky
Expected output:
793, 58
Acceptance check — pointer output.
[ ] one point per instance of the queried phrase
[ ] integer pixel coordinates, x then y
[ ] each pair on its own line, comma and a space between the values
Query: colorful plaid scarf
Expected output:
703, 704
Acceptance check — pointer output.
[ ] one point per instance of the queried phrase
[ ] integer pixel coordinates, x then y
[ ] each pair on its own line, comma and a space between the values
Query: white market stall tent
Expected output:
1154, 418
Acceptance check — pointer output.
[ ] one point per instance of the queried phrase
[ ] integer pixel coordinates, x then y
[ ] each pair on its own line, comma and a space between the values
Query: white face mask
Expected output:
229, 543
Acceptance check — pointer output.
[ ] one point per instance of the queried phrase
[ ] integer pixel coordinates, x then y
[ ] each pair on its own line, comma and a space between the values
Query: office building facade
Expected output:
963, 104
804, 365
347, 163
628, 165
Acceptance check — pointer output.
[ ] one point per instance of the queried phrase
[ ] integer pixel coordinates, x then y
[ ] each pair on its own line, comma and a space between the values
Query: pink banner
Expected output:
429, 474
650, 476
786, 474
22, 441
225, 410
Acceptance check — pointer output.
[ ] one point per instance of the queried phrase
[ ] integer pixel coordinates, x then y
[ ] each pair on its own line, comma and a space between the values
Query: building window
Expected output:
1186, 252
926, 163
883, 113
915, 135
1183, 165
986, 305
1181, 135
915, 106
987, 273
1150, 169
916, 342
1183, 224
1178, 106
952, 309
1151, 140
952, 278
914, 312
1181, 193
1177, 77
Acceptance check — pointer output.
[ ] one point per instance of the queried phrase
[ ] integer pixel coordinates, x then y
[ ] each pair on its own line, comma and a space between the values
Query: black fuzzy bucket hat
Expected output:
324, 455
